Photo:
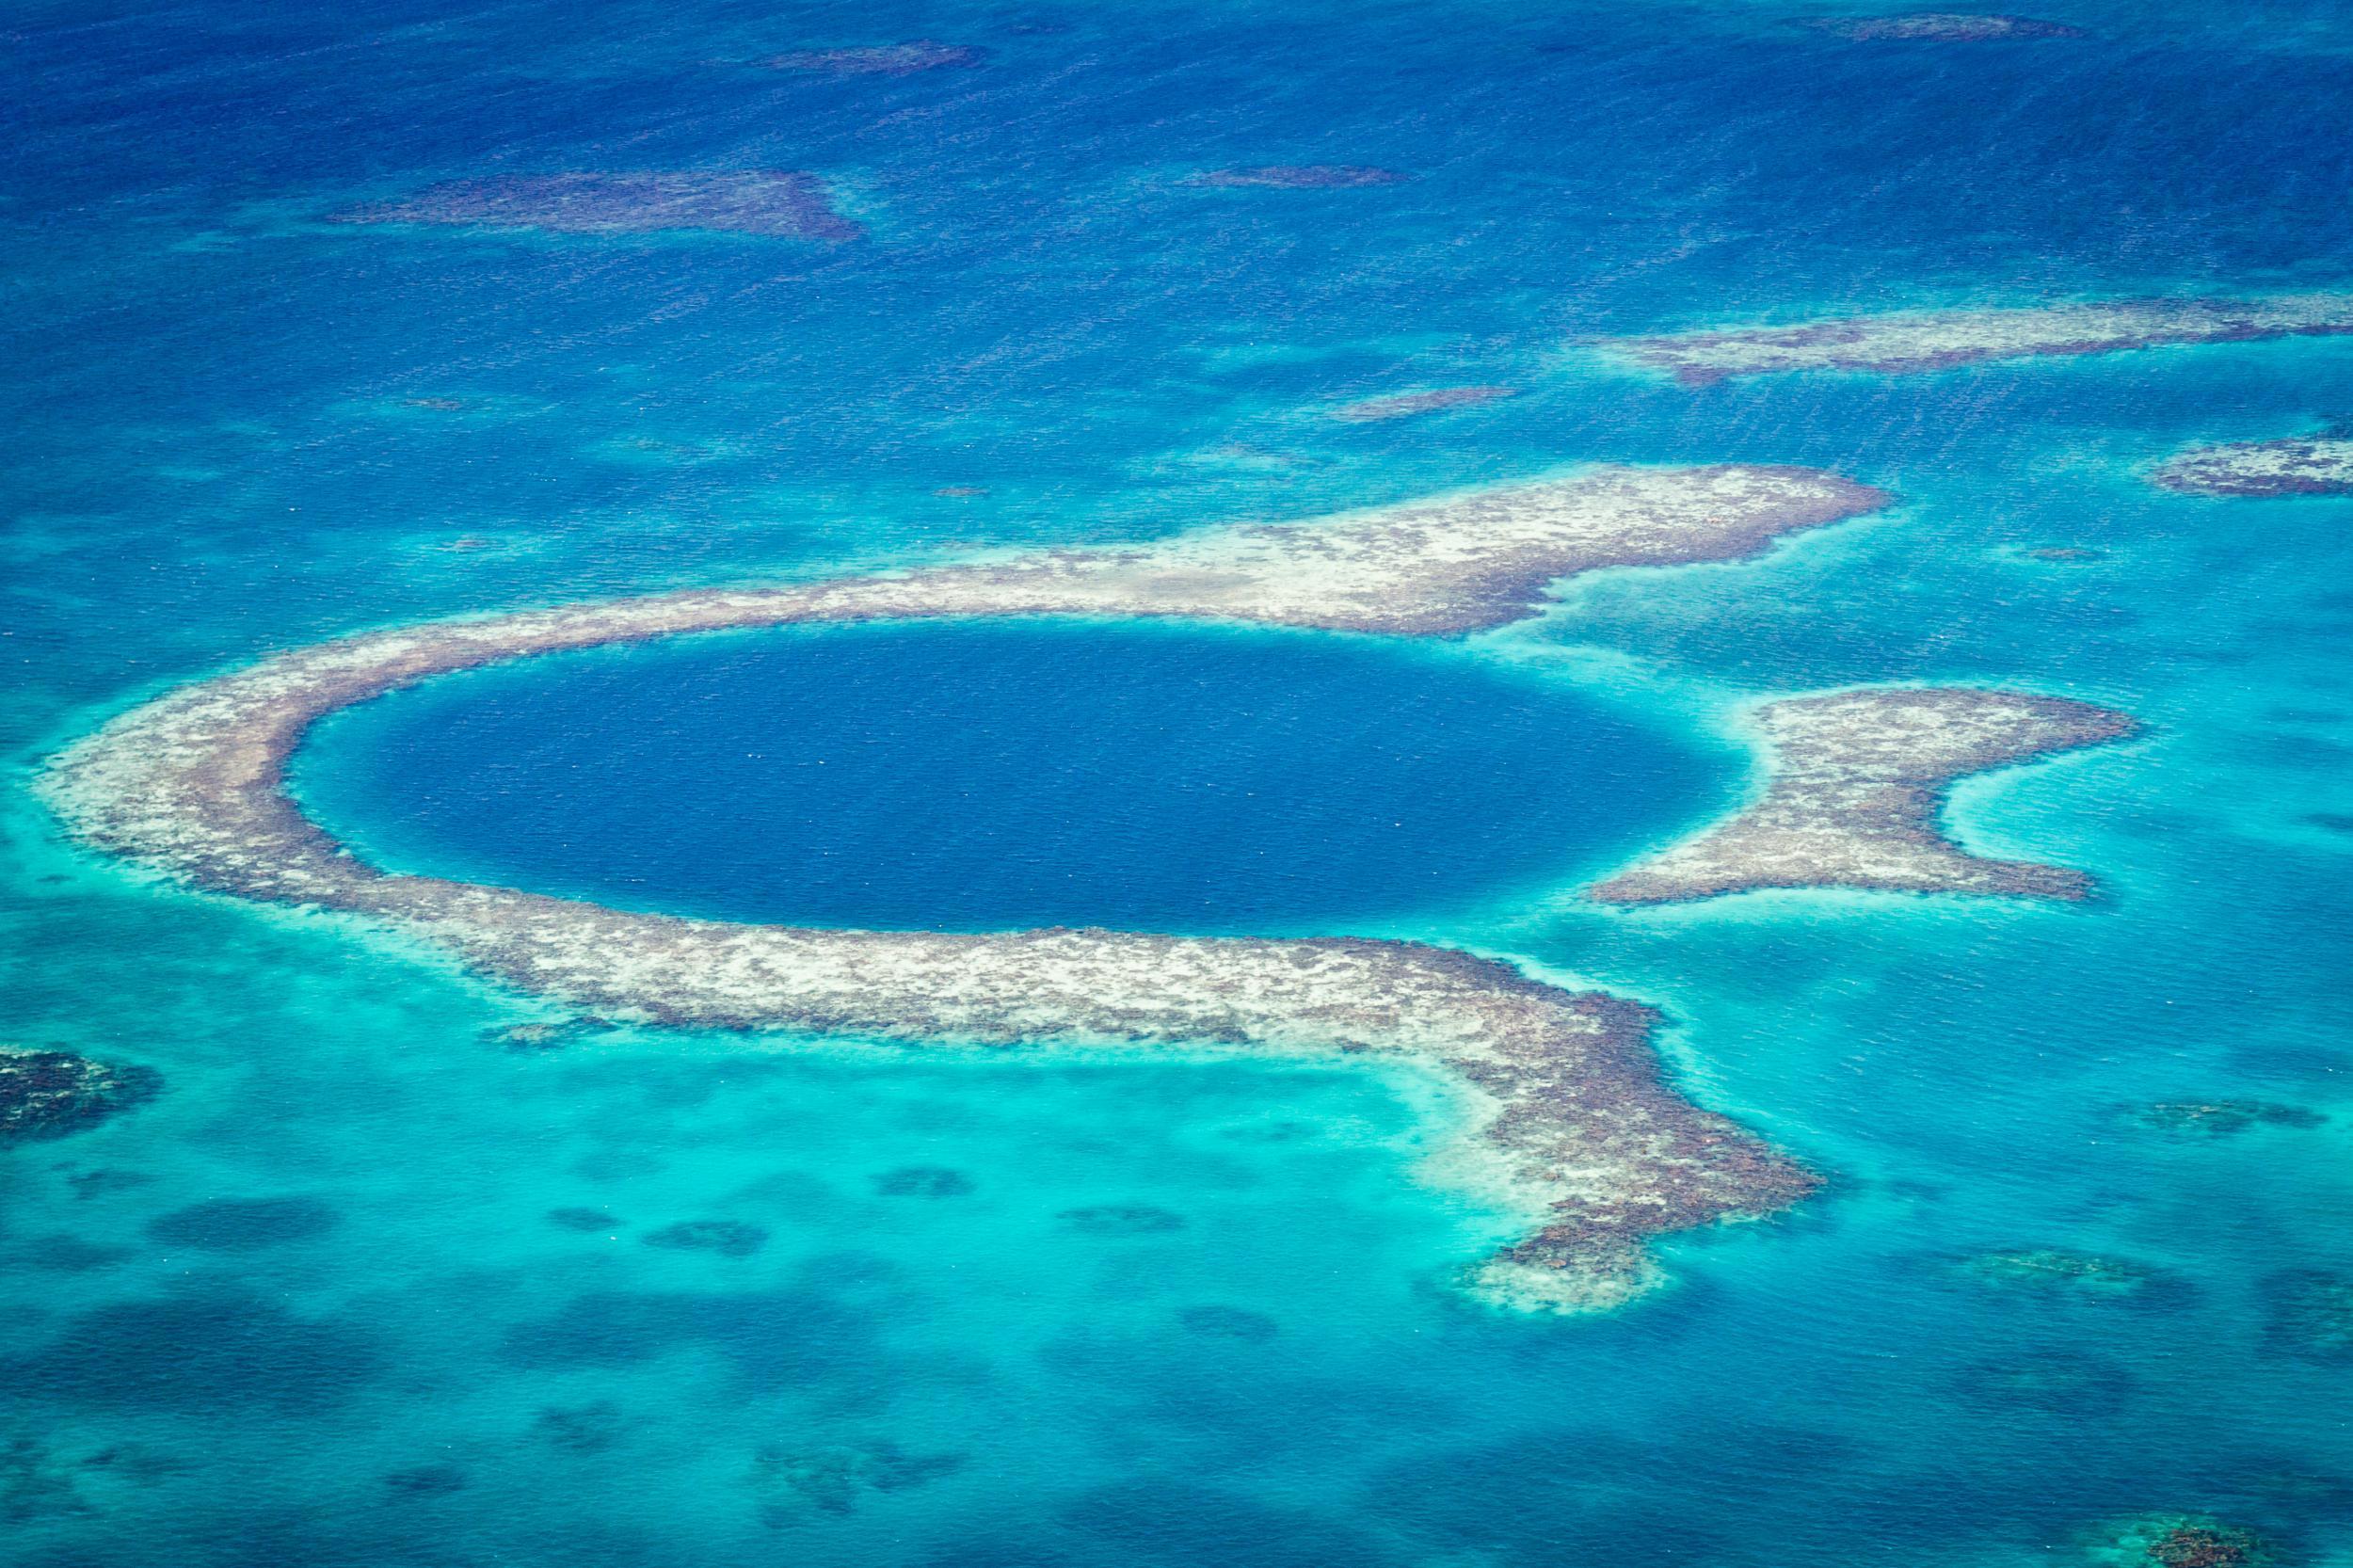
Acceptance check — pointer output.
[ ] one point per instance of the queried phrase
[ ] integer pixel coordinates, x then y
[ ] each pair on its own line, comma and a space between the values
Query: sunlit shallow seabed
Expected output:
399, 1269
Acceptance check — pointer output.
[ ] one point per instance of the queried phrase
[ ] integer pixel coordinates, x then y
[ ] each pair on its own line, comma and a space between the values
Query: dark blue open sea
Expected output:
309, 1307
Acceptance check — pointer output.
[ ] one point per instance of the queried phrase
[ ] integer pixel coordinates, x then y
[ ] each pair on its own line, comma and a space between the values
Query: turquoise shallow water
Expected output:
1021, 1309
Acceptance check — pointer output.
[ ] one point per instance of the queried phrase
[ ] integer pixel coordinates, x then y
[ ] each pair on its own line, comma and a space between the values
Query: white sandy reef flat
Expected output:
1576, 1125
1907, 341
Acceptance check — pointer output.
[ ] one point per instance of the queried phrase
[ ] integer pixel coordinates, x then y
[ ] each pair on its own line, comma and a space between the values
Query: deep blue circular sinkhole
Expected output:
995, 775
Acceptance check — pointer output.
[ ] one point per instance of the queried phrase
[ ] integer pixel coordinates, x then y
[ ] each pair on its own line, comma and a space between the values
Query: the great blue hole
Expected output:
999, 775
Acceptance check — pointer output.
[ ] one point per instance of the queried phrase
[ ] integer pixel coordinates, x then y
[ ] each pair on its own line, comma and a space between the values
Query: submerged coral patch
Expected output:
1941, 26
879, 59
1121, 1219
922, 1181
728, 1238
49, 1094
778, 203
1303, 176
244, 1225
2314, 465
1407, 404
1909, 342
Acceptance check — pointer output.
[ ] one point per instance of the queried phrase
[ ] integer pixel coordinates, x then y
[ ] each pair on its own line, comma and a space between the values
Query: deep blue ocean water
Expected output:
309, 1306
1007, 776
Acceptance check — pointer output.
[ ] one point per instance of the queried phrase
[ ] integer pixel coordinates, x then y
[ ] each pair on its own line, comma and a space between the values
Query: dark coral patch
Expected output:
70, 1255
829, 1480
776, 203
583, 1219
2221, 1118
588, 1429
49, 1094
1228, 1322
728, 1238
244, 1225
2057, 1382
201, 1354
773, 1339
1121, 1219
426, 1480
922, 1181
2310, 1315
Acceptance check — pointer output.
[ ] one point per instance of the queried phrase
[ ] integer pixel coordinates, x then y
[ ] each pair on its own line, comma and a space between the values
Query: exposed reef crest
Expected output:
1570, 1112
1909, 342
1852, 797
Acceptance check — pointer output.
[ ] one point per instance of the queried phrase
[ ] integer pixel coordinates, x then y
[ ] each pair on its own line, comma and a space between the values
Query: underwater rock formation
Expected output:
1303, 176
50, 1093
2314, 465
779, 203
1405, 405
879, 59
1855, 782
1569, 1122
1941, 26
1907, 341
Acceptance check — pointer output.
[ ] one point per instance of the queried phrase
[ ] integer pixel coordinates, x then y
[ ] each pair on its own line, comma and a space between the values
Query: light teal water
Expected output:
216, 455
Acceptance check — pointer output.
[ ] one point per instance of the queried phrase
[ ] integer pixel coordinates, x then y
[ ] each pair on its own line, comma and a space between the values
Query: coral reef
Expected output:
2221, 1118
1405, 405
728, 1238
1941, 26
1568, 1119
922, 1181
2314, 465
1303, 176
1855, 783
879, 59
2179, 1540
49, 1094
1913, 340
779, 203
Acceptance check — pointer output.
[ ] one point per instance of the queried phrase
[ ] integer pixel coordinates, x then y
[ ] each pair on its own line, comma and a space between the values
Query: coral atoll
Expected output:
1568, 1117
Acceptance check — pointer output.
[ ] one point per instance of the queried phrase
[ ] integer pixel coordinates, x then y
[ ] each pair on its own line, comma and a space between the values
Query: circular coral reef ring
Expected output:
192, 785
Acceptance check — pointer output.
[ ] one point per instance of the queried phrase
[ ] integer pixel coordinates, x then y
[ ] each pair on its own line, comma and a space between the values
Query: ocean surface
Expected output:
386, 1275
